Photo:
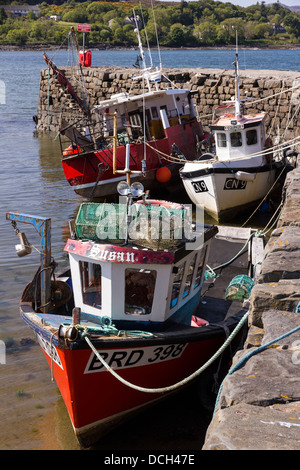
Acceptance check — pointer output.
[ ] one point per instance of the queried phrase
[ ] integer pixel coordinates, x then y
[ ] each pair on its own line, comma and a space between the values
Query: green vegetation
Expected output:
181, 24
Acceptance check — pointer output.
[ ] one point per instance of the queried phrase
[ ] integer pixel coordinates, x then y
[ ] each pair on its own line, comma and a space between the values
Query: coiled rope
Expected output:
178, 384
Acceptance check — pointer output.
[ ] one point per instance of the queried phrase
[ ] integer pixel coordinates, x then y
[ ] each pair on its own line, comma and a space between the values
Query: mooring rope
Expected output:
178, 384
244, 359
268, 151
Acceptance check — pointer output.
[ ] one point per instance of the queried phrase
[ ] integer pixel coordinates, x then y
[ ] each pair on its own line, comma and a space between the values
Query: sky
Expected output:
247, 3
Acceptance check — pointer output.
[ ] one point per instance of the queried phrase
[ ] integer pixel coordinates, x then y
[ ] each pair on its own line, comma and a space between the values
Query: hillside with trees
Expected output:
199, 23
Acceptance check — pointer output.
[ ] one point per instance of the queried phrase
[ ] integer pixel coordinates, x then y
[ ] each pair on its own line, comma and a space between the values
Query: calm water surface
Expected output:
32, 181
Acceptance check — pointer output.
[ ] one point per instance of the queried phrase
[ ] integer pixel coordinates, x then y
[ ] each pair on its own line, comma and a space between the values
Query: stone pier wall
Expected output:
259, 403
210, 88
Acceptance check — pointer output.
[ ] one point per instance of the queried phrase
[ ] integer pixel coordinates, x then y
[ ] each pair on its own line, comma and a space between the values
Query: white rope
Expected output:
268, 151
178, 384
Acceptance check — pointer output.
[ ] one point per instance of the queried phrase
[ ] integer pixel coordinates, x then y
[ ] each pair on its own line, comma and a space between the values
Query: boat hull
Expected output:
92, 172
96, 400
222, 195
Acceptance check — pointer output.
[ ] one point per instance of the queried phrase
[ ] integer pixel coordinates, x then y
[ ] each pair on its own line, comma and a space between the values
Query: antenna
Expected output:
158, 49
237, 81
142, 55
149, 50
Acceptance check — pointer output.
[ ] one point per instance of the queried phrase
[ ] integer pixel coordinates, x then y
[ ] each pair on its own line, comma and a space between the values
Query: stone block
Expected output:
280, 322
272, 84
282, 256
254, 337
281, 295
251, 383
248, 427
290, 214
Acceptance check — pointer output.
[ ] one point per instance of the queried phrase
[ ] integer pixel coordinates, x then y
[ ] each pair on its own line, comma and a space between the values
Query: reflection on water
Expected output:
159, 427
32, 182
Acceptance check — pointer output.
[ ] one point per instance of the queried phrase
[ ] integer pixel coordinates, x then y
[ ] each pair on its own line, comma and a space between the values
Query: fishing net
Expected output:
152, 226
239, 288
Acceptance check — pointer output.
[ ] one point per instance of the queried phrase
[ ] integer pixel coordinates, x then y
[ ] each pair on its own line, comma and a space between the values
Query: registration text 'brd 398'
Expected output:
125, 358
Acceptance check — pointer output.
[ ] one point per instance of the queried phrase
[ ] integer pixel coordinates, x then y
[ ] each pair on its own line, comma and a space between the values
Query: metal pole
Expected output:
43, 227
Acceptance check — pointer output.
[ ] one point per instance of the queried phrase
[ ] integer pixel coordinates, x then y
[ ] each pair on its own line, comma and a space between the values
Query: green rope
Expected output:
111, 330
244, 359
211, 273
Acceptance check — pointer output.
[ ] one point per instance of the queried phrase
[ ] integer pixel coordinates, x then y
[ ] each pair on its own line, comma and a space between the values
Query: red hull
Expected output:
82, 170
97, 401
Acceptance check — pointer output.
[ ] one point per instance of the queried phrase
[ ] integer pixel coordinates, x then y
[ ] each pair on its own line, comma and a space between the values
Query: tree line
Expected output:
180, 24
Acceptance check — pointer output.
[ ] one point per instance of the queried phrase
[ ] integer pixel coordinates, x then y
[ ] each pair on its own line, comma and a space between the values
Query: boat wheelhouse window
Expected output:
139, 291
176, 285
189, 277
164, 107
136, 124
251, 137
154, 112
236, 139
221, 139
200, 262
90, 275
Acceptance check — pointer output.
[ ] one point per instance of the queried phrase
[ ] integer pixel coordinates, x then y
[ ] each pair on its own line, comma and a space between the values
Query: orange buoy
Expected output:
71, 150
163, 174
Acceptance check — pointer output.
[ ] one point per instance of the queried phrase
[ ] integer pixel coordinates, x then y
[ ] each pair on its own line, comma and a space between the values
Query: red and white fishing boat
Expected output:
160, 125
126, 324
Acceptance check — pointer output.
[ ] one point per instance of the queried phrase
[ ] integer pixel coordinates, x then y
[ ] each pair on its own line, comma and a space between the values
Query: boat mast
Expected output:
238, 106
148, 73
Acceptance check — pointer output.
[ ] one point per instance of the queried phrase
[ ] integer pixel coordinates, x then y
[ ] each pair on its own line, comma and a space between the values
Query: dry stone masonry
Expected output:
259, 403
209, 87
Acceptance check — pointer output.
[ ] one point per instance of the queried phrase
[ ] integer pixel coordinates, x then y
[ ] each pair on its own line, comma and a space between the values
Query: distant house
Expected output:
278, 29
21, 10
55, 17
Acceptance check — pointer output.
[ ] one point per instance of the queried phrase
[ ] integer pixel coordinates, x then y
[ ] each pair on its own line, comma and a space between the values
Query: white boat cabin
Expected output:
162, 109
136, 283
235, 138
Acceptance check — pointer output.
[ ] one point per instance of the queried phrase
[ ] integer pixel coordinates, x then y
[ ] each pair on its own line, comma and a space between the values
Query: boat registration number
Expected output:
126, 358
233, 183
50, 350
199, 186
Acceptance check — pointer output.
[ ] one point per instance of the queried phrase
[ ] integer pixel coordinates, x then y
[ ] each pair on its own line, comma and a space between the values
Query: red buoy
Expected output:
163, 174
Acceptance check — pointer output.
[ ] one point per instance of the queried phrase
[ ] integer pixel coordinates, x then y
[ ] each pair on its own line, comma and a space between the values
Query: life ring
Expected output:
229, 115
158, 202
269, 144
71, 150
